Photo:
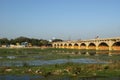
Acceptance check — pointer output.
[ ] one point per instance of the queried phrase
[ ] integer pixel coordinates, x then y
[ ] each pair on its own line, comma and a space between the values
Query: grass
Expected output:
70, 69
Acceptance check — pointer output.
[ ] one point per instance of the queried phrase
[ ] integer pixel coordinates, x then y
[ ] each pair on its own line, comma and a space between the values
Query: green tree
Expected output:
57, 40
43, 42
4, 41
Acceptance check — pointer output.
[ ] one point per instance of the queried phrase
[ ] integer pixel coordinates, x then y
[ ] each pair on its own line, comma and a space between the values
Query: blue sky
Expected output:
64, 19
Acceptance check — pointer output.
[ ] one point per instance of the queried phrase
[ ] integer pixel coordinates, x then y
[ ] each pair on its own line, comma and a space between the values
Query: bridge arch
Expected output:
61, 46
91, 46
65, 45
70, 45
103, 46
76, 46
116, 46
58, 45
83, 46
55, 45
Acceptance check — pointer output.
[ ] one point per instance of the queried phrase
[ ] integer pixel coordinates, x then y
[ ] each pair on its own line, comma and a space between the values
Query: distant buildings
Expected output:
18, 45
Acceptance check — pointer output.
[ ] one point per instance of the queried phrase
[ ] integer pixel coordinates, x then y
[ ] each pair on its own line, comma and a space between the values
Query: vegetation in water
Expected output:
69, 69
7, 54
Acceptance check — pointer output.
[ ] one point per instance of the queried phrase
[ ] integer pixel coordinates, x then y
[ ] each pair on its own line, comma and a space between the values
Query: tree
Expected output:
22, 39
34, 42
43, 42
4, 41
57, 40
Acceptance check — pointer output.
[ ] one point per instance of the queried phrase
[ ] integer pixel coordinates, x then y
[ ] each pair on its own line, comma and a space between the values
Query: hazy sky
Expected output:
64, 19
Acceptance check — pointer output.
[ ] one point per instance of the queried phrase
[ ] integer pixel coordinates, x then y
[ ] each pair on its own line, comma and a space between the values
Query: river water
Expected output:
28, 77
49, 62
38, 62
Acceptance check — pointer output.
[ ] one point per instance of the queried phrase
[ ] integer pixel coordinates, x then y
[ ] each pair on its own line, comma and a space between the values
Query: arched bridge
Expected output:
95, 44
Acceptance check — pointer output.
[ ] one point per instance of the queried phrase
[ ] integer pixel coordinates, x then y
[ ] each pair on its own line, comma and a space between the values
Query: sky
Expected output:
63, 19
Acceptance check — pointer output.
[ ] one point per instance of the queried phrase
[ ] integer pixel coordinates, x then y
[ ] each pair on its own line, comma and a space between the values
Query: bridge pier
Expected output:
110, 48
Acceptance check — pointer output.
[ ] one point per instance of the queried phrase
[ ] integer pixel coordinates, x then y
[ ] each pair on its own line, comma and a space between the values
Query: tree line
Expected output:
32, 41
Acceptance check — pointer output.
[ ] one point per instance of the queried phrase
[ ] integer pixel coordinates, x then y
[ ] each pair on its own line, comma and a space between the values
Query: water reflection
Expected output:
36, 59
24, 77
86, 53
27, 77
88, 78
36, 62
90, 53
11, 57
1, 57
47, 62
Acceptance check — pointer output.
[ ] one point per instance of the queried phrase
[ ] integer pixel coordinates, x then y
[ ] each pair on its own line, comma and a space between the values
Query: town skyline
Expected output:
61, 19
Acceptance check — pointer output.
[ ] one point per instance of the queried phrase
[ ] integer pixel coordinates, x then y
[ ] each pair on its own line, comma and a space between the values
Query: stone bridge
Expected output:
92, 44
